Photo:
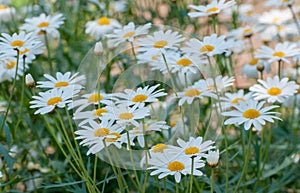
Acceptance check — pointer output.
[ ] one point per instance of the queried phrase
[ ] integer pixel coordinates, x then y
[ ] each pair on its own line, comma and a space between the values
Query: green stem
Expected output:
95, 170
192, 175
176, 187
120, 183
295, 18
168, 69
247, 159
12, 91
279, 68
212, 181
132, 160
48, 52
22, 98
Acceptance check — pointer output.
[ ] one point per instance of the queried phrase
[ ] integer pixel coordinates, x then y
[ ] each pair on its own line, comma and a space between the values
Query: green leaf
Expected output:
7, 158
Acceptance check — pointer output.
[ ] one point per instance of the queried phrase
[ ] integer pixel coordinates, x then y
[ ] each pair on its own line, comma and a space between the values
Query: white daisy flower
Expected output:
251, 113
28, 46
125, 115
222, 83
250, 69
184, 63
281, 52
8, 68
275, 17
211, 45
127, 33
212, 158
62, 81
89, 99
158, 150
213, 8
140, 96
274, 89
43, 24
87, 116
96, 134
197, 91
245, 32
247, 13
140, 131
167, 164
49, 100
231, 99
279, 3
6, 13
160, 41
102, 26
194, 147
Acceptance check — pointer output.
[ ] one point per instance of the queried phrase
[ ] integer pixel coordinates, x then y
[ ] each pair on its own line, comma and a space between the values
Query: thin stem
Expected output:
212, 181
95, 170
12, 90
132, 160
176, 187
192, 175
48, 52
168, 69
279, 68
295, 18
120, 183
247, 159
22, 98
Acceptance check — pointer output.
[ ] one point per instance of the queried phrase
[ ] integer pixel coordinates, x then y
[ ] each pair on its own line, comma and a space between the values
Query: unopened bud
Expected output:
29, 81
98, 50
260, 68
213, 158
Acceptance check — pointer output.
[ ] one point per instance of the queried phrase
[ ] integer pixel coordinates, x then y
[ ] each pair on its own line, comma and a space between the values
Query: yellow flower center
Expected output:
274, 91
253, 61
247, 31
280, 28
160, 44
173, 124
10, 65
113, 139
3, 7
101, 132
61, 84
212, 10
94, 98
191, 150
126, 116
192, 92
279, 54
249, 13
103, 21
276, 19
184, 62
54, 100
155, 57
251, 114
16, 43
42, 32
176, 166
129, 34
286, 1
26, 50
236, 100
139, 98
43, 24
159, 148
99, 112
207, 48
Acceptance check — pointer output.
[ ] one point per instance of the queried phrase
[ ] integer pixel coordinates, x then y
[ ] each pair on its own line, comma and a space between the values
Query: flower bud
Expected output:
213, 158
29, 81
98, 50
